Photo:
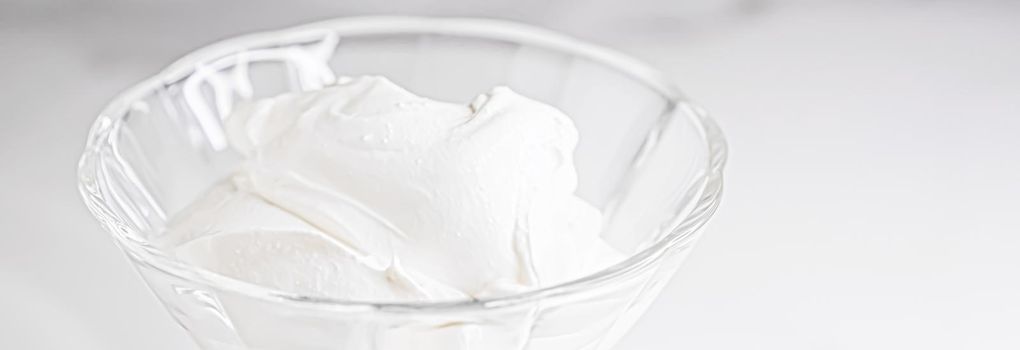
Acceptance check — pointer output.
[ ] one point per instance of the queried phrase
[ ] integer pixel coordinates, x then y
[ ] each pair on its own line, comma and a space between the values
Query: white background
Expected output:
873, 189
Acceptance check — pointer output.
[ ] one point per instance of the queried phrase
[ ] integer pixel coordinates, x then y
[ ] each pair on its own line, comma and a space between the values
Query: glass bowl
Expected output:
647, 157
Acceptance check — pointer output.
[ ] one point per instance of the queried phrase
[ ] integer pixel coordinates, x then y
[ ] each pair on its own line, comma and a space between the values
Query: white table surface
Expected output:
872, 196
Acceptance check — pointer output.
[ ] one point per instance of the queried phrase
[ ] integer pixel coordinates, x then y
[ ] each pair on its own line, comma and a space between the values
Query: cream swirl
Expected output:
363, 190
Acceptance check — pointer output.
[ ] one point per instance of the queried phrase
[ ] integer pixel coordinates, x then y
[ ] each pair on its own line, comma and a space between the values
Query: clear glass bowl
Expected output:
648, 158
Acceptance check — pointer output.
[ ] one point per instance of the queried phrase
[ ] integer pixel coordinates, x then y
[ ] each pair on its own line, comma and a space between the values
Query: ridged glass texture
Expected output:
647, 157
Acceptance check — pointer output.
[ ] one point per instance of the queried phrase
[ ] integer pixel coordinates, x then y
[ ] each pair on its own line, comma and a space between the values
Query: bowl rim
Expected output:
682, 234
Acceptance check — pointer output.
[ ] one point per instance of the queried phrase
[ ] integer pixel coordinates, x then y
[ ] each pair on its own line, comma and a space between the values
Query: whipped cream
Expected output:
365, 191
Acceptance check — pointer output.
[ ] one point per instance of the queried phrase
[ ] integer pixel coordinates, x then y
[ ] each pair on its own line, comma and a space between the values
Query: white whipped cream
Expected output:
365, 191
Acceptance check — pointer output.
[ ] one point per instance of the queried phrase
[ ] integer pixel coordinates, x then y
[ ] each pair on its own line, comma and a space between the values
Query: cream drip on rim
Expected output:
365, 191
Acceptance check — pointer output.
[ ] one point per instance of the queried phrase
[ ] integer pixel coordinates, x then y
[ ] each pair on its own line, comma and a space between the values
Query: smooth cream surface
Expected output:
365, 191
